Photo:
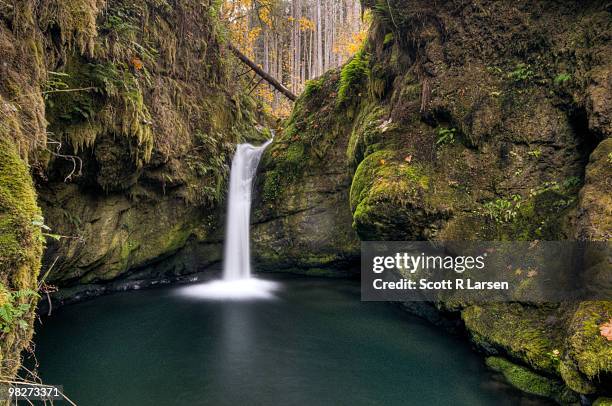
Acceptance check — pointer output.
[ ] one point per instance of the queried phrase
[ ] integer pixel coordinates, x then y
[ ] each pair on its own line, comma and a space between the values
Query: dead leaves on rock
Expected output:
606, 330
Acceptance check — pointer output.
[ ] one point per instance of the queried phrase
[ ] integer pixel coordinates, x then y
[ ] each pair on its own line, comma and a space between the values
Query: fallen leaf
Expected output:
137, 63
382, 161
408, 158
606, 330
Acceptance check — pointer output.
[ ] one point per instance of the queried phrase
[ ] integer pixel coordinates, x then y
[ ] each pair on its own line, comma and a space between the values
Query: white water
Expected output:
237, 259
237, 282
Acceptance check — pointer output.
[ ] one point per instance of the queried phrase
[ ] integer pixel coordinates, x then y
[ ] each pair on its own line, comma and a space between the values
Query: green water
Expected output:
316, 344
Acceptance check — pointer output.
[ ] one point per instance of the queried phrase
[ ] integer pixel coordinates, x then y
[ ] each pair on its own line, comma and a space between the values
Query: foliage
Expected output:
446, 136
39, 221
208, 160
293, 42
15, 307
312, 86
352, 75
55, 82
388, 38
522, 73
562, 78
503, 210
536, 153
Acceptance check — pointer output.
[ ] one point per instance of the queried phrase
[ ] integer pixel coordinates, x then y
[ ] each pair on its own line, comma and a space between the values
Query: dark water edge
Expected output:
315, 344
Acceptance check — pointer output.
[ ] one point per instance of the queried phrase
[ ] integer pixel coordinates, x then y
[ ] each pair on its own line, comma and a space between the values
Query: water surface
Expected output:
316, 344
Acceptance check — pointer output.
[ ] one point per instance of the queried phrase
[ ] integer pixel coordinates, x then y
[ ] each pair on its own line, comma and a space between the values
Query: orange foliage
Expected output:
606, 330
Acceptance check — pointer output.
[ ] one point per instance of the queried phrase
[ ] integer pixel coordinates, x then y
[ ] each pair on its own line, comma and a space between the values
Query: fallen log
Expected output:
263, 74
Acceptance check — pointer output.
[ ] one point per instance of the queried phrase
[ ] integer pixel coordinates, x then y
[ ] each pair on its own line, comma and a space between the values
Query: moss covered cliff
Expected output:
118, 118
143, 116
22, 133
486, 120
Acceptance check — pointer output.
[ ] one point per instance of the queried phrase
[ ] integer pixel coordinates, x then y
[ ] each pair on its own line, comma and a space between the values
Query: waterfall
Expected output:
237, 258
237, 282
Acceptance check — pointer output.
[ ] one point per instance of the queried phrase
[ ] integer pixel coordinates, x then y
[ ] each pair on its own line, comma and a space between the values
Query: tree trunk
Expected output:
264, 75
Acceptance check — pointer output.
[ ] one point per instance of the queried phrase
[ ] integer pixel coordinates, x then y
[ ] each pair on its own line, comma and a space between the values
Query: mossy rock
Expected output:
525, 332
21, 245
20, 239
595, 206
528, 381
391, 198
591, 351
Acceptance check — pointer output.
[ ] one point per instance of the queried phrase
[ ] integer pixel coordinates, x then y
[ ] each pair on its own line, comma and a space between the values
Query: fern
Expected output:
353, 74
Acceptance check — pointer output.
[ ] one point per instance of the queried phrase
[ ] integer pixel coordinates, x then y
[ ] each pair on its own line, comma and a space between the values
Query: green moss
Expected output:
520, 330
528, 381
104, 97
391, 198
590, 350
21, 245
364, 176
353, 74
603, 402
20, 239
574, 379
540, 214
388, 38
76, 21
368, 129
295, 154
312, 87
271, 186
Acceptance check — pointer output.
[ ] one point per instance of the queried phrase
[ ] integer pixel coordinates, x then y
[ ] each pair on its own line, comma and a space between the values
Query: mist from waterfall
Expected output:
237, 282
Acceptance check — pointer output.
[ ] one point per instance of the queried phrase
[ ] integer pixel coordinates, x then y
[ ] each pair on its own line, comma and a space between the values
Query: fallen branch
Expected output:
263, 74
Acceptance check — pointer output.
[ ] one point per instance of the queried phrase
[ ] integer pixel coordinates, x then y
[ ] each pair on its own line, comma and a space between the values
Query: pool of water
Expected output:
315, 344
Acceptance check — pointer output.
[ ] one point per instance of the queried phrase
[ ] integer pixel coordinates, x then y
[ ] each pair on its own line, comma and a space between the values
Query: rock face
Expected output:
136, 171
462, 121
300, 219
22, 132
120, 118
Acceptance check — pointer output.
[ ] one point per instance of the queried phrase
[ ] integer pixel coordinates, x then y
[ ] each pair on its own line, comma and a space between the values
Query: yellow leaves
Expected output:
306, 24
357, 41
264, 16
606, 330
136, 63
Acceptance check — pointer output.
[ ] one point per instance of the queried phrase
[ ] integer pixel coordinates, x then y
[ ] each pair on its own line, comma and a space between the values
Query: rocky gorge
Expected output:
458, 120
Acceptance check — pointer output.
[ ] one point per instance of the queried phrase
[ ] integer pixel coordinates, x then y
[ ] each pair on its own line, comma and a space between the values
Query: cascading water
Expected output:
237, 259
237, 282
